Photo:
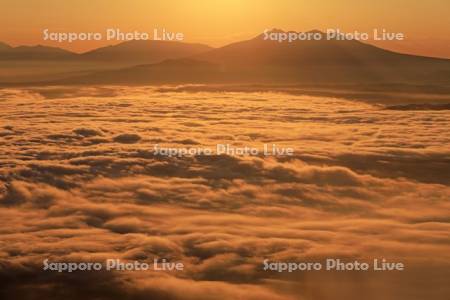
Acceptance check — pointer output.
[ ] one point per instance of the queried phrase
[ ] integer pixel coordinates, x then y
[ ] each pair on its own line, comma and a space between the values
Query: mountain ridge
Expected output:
150, 51
132, 51
259, 61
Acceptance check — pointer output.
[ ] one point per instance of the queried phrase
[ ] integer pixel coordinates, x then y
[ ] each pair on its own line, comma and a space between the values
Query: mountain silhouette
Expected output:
266, 61
168, 71
256, 60
129, 53
329, 52
39, 63
323, 60
33, 53
144, 52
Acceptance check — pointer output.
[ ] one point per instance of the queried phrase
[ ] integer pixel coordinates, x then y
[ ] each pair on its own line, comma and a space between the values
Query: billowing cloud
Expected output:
79, 181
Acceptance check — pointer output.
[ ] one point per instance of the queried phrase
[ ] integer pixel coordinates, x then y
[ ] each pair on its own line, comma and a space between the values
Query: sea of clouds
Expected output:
79, 182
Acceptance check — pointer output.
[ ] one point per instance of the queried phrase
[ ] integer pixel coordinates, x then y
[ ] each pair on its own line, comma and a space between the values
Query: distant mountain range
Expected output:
324, 52
144, 52
251, 61
138, 52
34, 53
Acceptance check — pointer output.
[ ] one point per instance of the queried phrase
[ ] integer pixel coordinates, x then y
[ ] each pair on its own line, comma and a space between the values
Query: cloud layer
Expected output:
79, 182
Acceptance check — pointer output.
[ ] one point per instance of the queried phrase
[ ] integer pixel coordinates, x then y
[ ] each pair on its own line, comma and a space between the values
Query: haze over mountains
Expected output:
131, 52
41, 63
34, 53
142, 52
324, 52
252, 61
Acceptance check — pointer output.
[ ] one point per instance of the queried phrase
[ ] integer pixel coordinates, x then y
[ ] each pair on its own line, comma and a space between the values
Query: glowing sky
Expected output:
218, 22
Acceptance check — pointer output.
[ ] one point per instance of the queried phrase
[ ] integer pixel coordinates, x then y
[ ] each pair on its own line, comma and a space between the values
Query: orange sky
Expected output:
217, 22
